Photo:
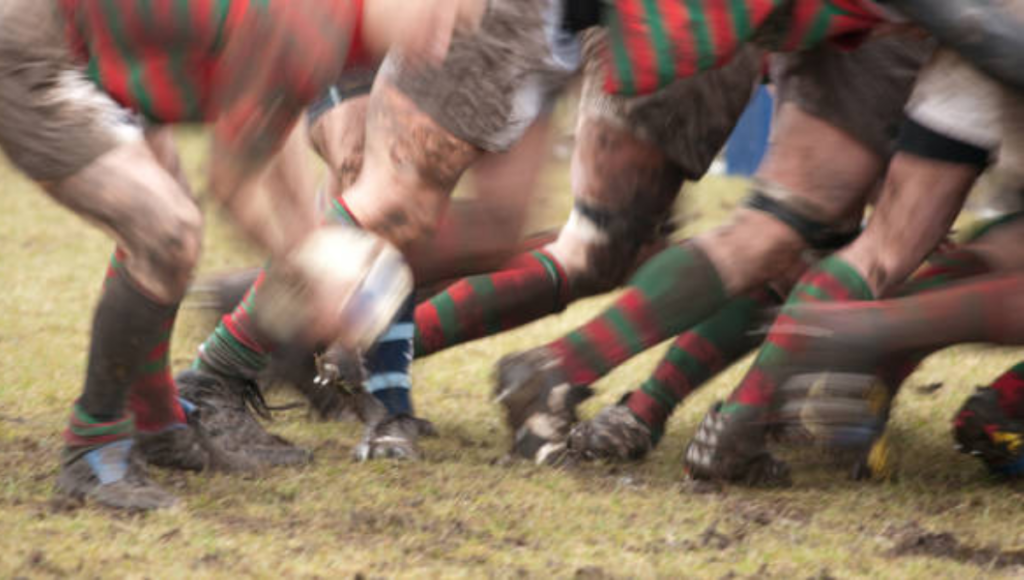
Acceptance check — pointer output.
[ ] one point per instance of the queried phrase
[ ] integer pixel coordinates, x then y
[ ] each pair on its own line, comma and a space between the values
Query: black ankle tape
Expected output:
818, 236
636, 227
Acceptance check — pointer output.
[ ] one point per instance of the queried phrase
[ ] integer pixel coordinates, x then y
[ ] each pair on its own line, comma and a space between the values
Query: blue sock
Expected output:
389, 363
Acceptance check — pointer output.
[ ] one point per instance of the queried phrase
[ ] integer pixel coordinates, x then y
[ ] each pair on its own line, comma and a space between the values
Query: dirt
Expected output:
592, 573
763, 513
915, 541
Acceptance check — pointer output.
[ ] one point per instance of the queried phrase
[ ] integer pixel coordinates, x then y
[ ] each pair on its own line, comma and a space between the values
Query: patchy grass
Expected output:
463, 513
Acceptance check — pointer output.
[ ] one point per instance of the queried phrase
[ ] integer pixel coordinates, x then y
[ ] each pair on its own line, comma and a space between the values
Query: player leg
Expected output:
925, 186
798, 193
86, 153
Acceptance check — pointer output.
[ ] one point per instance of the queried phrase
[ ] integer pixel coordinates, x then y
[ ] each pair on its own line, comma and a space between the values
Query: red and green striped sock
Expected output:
982, 309
941, 269
86, 432
153, 394
671, 292
698, 355
979, 310
236, 348
832, 280
1010, 387
530, 287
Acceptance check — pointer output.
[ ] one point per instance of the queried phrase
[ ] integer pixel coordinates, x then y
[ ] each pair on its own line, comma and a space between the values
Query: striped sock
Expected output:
388, 365
941, 269
981, 309
129, 325
697, 355
1010, 387
86, 432
235, 348
153, 394
530, 287
670, 293
832, 280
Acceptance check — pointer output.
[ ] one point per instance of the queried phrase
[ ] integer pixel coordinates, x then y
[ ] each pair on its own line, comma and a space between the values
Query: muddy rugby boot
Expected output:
110, 475
877, 464
226, 407
614, 434
982, 429
731, 447
395, 437
187, 447
540, 405
177, 447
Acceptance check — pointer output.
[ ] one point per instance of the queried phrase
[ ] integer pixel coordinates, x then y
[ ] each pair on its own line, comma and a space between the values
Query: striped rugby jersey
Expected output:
653, 42
252, 65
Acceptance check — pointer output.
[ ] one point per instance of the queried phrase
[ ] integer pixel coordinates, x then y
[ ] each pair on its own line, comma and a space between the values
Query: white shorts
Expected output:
958, 101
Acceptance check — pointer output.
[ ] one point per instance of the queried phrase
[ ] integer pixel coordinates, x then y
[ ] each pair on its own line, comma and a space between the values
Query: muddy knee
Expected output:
170, 251
130, 195
410, 168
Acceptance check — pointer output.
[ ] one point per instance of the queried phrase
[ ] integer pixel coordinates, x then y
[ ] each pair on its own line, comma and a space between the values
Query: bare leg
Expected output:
919, 202
410, 169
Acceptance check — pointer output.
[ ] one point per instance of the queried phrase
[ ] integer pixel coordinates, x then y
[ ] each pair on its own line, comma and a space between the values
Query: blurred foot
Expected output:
226, 416
878, 464
540, 405
177, 447
111, 476
731, 447
395, 437
614, 434
982, 429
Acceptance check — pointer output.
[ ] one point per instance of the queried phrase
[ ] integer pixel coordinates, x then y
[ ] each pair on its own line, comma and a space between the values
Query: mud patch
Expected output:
915, 541
592, 573
929, 389
764, 513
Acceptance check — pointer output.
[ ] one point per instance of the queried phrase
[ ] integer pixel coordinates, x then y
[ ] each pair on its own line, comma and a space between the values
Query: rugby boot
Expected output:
982, 429
176, 447
614, 434
877, 464
395, 437
226, 408
540, 405
186, 447
731, 447
110, 475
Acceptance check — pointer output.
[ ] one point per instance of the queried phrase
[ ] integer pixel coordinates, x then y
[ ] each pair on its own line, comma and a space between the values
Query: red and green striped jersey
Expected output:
250, 65
653, 42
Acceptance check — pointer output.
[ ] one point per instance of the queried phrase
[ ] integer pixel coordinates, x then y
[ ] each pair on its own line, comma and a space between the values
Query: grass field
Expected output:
462, 512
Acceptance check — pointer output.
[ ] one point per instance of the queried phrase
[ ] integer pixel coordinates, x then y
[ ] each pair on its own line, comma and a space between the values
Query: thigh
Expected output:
688, 121
836, 123
861, 92
53, 120
497, 81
